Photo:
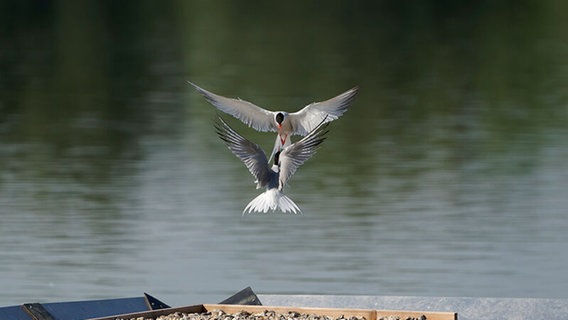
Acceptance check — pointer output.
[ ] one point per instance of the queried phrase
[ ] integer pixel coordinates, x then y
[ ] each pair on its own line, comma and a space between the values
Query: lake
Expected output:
448, 175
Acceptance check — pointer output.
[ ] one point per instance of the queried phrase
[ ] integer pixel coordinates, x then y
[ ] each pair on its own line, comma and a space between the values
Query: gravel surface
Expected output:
265, 315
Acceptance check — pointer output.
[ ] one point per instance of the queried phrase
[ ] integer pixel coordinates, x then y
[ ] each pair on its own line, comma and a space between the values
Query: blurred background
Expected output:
448, 176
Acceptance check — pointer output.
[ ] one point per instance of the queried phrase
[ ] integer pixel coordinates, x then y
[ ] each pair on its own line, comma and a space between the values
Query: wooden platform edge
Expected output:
369, 314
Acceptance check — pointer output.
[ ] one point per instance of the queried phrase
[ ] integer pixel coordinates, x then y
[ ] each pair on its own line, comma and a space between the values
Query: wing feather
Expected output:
296, 154
250, 114
313, 114
248, 152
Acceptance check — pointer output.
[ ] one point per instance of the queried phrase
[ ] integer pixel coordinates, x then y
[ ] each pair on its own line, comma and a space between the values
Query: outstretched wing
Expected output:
249, 153
252, 115
313, 114
296, 154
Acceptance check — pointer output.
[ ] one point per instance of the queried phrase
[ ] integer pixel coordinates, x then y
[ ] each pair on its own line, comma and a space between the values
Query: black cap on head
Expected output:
279, 117
277, 158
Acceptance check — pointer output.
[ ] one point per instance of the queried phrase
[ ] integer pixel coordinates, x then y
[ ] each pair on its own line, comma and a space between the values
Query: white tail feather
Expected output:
271, 200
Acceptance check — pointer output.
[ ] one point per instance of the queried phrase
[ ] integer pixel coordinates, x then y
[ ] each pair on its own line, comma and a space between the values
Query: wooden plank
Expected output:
402, 314
369, 314
332, 312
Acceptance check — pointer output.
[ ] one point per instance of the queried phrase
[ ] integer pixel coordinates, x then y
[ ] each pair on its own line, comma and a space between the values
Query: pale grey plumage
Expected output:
272, 178
302, 121
296, 123
253, 116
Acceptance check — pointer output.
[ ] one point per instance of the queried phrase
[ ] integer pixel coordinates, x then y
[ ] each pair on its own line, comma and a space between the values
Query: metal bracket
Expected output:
243, 297
37, 311
153, 303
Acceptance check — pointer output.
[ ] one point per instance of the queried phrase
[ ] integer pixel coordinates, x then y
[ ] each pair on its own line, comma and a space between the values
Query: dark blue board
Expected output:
13, 313
95, 308
79, 310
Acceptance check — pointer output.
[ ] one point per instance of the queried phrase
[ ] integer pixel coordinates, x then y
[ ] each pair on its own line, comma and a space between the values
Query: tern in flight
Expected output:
274, 178
285, 124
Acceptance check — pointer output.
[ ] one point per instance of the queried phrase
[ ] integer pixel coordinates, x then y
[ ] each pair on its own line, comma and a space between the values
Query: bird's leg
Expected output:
283, 139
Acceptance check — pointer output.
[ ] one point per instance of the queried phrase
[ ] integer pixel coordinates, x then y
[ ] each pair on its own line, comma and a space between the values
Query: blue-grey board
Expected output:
79, 310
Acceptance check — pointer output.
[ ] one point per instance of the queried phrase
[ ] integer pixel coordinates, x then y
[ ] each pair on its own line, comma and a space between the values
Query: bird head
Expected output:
277, 158
279, 118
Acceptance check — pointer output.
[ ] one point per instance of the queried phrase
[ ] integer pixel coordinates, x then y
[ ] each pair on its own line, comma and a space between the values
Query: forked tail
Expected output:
271, 200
